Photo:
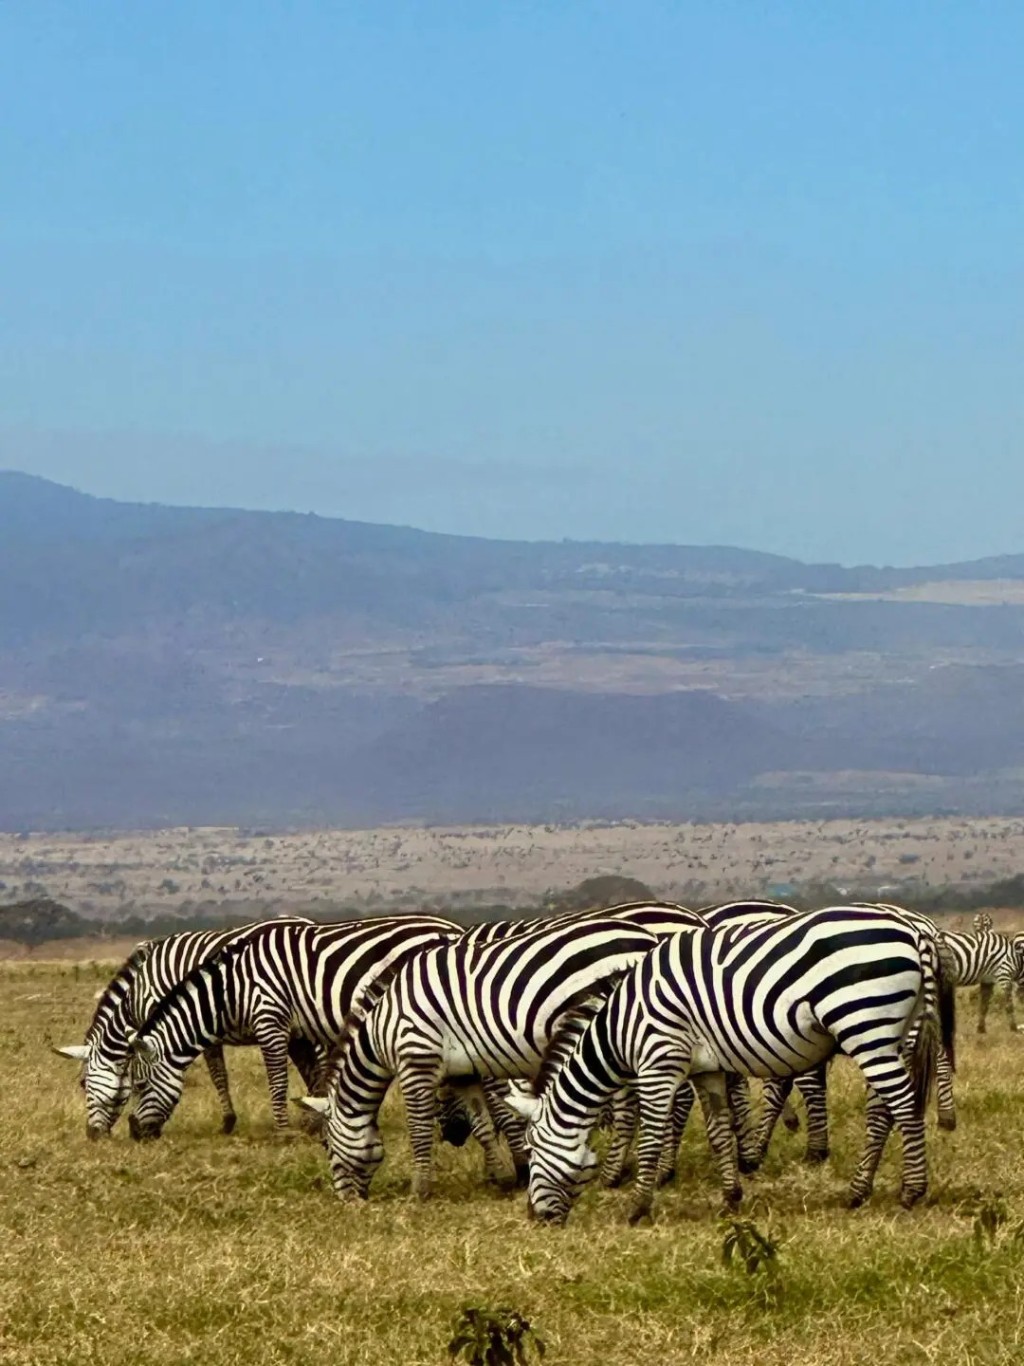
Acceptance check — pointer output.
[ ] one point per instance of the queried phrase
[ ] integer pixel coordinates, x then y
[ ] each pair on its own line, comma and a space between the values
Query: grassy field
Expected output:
201, 1248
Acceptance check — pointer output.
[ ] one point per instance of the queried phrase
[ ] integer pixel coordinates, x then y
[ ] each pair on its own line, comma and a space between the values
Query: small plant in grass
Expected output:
990, 1218
495, 1337
744, 1245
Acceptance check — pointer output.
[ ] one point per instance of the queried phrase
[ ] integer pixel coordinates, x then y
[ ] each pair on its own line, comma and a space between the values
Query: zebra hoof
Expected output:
614, 1180
666, 1178
522, 1175
857, 1199
947, 1122
227, 1124
908, 1199
748, 1165
639, 1215
815, 1156
733, 1199
792, 1123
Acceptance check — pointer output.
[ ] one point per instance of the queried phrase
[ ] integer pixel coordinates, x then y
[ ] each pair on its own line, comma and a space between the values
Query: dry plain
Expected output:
111, 873
206, 1249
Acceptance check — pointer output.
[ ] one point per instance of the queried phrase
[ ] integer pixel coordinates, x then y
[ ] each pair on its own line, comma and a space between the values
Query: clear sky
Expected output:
744, 272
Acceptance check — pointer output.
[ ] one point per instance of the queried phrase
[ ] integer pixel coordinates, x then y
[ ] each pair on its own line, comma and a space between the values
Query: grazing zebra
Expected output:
154, 968
660, 918
283, 980
461, 1011
766, 1000
813, 1084
989, 960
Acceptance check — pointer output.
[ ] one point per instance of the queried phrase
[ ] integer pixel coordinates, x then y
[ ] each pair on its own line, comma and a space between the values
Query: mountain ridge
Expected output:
177, 664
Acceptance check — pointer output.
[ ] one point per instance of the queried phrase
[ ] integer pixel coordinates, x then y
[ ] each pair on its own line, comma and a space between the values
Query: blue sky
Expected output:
724, 272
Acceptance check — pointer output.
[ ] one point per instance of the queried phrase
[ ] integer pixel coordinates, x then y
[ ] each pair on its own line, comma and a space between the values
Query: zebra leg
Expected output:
985, 991
419, 1077
944, 1090
712, 1092
218, 1071
813, 1086
1011, 1019
790, 1118
614, 1169
511, 1125
879, 1123
273, 1037
656, 1089
737, 1089
682, 1104
484, 1130
893, 1103
775, 1099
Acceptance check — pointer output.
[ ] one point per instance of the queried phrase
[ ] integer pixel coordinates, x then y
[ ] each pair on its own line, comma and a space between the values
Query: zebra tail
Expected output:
925, 1047
946, 983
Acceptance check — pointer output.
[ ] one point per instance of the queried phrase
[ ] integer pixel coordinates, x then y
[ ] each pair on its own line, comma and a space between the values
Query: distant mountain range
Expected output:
194, 665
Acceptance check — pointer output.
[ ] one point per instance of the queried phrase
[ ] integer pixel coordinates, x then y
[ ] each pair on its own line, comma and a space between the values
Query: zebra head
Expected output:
354, 1146
107, 1085
561, 1161
156, 1084
1017, 942
560, 1166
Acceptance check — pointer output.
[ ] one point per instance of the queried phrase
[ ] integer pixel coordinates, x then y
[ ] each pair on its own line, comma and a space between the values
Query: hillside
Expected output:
189, 664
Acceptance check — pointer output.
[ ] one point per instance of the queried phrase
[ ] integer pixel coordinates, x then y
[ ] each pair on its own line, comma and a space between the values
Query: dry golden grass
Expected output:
201, 1248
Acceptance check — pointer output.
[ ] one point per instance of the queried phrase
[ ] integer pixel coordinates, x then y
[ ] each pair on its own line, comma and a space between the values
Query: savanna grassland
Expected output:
211, 1249
109, 874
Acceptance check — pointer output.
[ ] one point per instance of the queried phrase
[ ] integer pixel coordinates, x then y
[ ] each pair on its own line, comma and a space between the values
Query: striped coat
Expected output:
153, 969
767, 1000
467, 1012
283, 981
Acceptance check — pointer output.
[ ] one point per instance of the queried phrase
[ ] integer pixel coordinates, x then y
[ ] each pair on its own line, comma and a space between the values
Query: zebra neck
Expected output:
592, 1074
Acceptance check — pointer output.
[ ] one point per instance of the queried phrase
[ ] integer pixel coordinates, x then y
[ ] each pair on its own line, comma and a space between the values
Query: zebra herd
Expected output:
538, 1031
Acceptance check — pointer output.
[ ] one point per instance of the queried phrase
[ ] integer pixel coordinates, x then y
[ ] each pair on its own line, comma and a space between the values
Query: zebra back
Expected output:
660, 917
310, 975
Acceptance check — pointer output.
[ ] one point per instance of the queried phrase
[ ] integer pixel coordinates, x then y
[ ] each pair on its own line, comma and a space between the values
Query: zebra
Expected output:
285, 979
460, 1011
154, 968
768, 1000
989, 960
661, 918
813, 1084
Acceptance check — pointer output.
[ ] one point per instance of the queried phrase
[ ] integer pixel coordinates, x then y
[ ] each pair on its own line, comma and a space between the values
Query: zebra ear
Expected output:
318, 1104
78, 1051
145, 1049
526, 1106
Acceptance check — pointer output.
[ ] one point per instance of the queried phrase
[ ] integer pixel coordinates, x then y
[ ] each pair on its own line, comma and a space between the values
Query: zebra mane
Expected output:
572, 1024
120, 980
358, 1013
206, 968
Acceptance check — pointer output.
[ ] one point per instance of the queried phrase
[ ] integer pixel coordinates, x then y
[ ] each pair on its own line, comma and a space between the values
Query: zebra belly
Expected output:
766, 1053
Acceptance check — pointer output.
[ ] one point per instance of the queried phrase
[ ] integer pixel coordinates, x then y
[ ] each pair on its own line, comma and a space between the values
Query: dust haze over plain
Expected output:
693, 274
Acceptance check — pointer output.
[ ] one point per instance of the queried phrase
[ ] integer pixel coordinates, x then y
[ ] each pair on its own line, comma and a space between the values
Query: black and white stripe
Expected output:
463, 1011
992, 962
767, 1000
661, 918
284, 981
153, 969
